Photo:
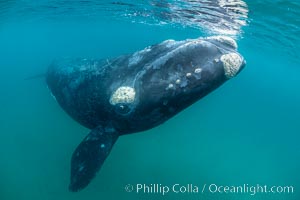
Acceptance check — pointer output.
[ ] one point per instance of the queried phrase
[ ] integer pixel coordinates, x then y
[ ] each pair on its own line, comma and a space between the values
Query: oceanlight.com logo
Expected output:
252, 190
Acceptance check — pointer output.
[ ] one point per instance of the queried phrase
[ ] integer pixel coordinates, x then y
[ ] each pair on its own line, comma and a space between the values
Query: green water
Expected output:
245, 132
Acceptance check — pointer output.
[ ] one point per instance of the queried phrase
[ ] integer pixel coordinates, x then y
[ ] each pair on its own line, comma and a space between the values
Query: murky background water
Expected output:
247, 131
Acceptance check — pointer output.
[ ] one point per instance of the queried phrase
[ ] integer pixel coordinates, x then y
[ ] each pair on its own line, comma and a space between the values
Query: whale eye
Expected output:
122, 109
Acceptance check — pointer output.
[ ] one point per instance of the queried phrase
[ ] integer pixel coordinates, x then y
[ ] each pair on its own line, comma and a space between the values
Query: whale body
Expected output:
136, 92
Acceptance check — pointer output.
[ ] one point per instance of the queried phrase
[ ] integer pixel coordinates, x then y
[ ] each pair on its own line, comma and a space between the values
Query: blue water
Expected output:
245, 132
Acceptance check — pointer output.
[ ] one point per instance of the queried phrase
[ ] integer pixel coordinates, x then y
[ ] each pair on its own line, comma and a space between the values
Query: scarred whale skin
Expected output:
136, 92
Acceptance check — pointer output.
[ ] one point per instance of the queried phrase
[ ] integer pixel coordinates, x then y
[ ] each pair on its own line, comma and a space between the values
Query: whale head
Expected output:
176, 74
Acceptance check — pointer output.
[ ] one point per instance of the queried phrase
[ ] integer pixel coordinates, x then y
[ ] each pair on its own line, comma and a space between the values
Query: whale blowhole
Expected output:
225, 39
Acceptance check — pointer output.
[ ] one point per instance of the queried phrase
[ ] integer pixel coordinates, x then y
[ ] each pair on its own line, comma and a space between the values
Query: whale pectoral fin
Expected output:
89, 156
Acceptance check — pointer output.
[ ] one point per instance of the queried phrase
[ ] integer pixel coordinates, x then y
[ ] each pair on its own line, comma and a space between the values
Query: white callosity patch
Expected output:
232, 63
197, 73
123, 94
198, 70
170, 86
226, 40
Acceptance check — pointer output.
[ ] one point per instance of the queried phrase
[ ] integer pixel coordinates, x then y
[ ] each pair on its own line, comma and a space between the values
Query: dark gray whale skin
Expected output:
136, 92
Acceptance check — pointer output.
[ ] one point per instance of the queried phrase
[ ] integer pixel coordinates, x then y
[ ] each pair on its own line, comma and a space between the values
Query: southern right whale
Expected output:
136, 92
